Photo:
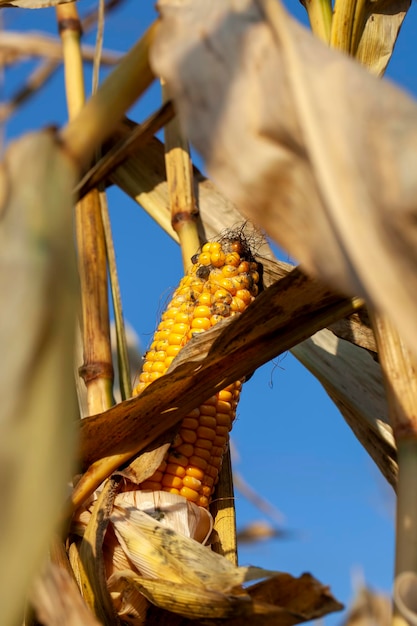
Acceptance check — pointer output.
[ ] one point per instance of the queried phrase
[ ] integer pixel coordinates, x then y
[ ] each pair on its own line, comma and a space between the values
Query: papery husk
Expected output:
170, 510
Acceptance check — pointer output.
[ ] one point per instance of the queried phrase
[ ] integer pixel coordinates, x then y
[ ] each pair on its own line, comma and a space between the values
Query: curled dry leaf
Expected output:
329, 178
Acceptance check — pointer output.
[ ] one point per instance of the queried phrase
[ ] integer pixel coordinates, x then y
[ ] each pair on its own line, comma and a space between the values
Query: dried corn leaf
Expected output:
329, 178
37, 280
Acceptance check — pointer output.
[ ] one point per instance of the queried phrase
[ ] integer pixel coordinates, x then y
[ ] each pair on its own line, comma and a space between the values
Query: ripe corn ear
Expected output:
223, 281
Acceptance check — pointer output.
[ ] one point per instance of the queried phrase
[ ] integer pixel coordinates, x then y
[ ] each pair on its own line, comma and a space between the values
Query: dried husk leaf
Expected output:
328, 178
38, 408
191, 602
170, 510
159, 552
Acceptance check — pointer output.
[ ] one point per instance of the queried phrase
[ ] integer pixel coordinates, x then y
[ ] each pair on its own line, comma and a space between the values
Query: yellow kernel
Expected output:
215, 275
216, 451
222, 431
212, 400
176, 339
169, 314
180, 329
229, 270
147, 366
244, 267
144, 377
217, 258
161, 335
208, 482
216, 461
202, 311
203, 501
172, 490
227, 283
159, 366
238, 305
172, 481
215, 246
223, 406
175, 469
203, 443
204, 258
232, 258
255, 276
169, 360
182, 317
203, 453
208, 409
176, 458
254, 290
202, 323
189, 422
172, 350
189, 494
186, 449
244, 294
224, 419
208, 421
222, 295
197, 462
215, 319
225, 395
194, 413
219, 441
207, 246
205, 299
153, 376
206, 433
191, 482
212, 472
194, 472
138, 389
165, 324
189, 436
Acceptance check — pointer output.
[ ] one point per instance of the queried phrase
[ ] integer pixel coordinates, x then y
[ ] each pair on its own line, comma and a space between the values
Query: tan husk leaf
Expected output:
325, 173
38, 408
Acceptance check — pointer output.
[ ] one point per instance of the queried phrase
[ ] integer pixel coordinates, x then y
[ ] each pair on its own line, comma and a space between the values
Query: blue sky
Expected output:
294, 447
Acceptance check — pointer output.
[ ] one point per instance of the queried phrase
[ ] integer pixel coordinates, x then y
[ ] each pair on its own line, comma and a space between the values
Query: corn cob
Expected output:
223, 281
